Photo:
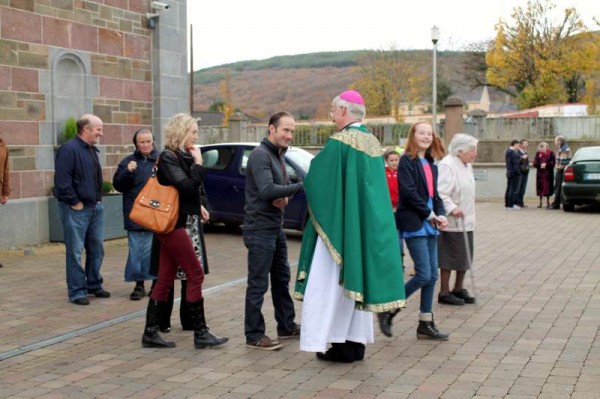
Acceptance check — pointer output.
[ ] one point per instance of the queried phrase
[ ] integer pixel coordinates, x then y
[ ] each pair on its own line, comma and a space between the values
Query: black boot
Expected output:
385, 321
151, 338
202, 337
428, 330
184, 309
347, 352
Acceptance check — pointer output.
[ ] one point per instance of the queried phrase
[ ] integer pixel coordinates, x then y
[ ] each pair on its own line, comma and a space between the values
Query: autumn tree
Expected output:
538, 60
388, 78
227, 107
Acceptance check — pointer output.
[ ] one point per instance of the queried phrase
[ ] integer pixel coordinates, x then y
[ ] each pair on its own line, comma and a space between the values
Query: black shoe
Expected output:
295, 333
552, 208
450, 299
385, 322
81, 301
342, 353
101, 293
464, 295
205, 339
138, 293
151, 339
428, 330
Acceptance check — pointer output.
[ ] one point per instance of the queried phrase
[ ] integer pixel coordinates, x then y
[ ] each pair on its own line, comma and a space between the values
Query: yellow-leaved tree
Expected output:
227, 106
540, 60
388, 78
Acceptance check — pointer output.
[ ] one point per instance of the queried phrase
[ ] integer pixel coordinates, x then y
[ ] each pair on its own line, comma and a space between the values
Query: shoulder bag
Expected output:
156, 207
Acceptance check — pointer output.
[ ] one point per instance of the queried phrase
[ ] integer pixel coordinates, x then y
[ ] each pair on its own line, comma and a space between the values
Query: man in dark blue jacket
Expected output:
132, 174
78, 188
512, 159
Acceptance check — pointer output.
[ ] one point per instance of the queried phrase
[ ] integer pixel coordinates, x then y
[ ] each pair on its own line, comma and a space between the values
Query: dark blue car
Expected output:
226, 179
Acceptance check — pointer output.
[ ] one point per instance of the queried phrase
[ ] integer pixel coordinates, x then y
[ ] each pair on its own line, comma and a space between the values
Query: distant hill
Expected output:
301, 84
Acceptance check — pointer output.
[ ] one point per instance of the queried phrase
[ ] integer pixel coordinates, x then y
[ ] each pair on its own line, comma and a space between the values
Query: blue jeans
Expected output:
424, 253
137, 267
267, 254
83, 229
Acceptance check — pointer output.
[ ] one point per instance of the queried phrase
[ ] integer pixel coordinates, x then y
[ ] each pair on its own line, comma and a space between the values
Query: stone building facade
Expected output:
64, 58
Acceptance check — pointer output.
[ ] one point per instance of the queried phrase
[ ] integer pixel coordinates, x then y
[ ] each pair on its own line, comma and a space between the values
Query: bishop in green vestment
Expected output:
350, 262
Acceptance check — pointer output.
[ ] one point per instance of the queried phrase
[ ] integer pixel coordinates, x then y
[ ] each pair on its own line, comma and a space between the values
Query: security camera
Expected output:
159, 5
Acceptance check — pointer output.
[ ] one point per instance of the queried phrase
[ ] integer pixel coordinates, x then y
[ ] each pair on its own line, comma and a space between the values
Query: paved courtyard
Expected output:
532, 334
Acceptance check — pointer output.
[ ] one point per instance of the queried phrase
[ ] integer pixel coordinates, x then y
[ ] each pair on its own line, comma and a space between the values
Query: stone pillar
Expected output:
454, 118
237, 127
478, 119
169, 67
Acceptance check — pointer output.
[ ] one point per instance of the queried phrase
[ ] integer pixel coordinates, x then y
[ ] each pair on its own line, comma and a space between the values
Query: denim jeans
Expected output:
424, 253
267, 253
511, 196
83, 229
137, 267
522, 188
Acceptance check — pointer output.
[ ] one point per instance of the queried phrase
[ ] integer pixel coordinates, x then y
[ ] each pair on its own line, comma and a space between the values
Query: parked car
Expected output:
581, 182
225, 182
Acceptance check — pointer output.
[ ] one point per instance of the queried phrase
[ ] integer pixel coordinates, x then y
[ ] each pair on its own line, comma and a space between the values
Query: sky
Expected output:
227, 31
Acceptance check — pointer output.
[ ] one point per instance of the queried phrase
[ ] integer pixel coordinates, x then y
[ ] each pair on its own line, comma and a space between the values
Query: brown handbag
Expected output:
156, 207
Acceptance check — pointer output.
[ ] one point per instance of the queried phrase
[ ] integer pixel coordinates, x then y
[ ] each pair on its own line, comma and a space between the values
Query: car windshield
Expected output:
300, 157
587, 154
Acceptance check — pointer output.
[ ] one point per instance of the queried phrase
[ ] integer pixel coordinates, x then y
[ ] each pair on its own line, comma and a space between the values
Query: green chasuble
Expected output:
350, 209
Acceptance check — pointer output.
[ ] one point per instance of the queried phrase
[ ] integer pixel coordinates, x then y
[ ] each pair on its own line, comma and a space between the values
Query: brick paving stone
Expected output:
532, 333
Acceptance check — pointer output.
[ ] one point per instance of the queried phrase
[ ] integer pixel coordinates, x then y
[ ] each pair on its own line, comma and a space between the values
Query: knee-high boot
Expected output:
151, 338
164, 318
202, 337
184, 309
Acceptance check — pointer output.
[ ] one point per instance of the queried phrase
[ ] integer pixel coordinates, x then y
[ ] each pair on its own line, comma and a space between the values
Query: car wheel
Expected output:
568, 207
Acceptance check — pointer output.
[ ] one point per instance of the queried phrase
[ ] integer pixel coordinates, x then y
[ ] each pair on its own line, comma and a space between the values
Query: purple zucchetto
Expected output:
352, 96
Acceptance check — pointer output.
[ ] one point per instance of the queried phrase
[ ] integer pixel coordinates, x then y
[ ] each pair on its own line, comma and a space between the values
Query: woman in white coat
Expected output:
456, 187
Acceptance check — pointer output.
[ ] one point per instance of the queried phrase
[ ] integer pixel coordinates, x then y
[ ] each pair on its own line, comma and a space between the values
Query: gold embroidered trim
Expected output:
335, 255
376, 307
301, 276
298, 296
360, 141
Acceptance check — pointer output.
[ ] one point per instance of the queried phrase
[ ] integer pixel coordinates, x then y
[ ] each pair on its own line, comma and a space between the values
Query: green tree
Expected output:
538, 60
217, 106
388, 78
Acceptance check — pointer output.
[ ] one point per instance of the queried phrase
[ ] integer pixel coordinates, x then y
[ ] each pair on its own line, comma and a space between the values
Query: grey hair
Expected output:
357, 110
542, 145
462, 142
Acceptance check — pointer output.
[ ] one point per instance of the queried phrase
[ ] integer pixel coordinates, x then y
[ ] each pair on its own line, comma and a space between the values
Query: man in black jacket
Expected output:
513, 176
267, 192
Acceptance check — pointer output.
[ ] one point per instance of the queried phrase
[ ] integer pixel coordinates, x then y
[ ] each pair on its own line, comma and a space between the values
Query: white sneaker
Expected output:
516, 207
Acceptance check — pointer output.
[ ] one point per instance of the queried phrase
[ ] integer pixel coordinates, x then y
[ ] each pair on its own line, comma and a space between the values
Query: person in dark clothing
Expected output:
194, 229
513, 176
78, 189
267, 192
132, 174
563, 157
180, 165
522, 148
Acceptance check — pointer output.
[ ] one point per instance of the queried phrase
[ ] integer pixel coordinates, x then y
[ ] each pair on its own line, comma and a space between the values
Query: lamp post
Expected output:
435, 35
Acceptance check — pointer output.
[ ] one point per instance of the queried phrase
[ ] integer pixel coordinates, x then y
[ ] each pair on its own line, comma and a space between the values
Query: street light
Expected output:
435, 35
